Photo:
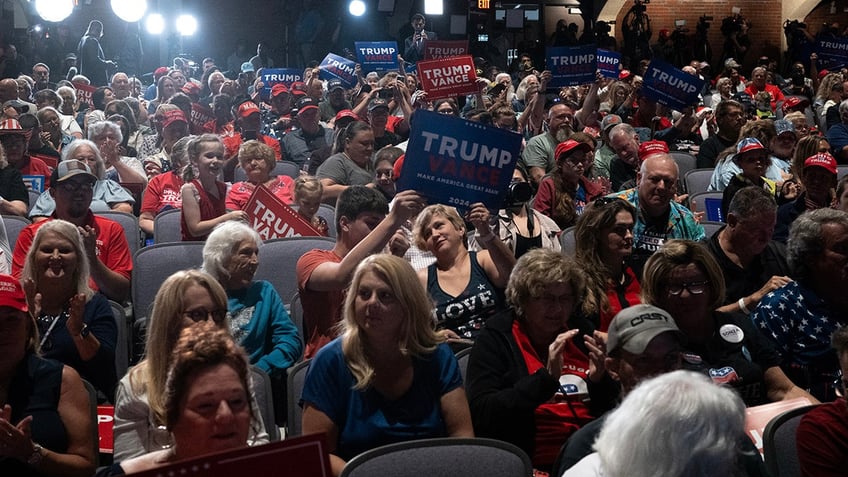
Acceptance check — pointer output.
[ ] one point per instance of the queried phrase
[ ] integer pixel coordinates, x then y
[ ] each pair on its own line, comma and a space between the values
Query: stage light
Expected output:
154, 24
356, 8
129, 11
186, 25
54, 10
434, 7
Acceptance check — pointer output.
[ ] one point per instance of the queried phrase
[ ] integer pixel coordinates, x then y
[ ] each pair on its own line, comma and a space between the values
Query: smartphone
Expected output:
497, 90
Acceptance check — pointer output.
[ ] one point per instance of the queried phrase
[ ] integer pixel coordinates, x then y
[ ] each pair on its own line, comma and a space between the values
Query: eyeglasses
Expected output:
202, 315
694, 288
74, 186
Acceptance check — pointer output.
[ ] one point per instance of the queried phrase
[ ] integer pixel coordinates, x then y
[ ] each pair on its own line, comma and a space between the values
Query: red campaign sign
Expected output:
271, 218
84, 92
757, 417
305, 456
105, 419
448, 77
200, 115
444, 48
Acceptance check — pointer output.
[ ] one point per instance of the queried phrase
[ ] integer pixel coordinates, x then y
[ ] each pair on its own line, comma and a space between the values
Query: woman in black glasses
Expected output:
185, 298
75, 324
684, 279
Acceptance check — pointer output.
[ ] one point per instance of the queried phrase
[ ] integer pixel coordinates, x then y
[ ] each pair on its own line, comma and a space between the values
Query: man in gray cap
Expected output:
643, 342
605, 153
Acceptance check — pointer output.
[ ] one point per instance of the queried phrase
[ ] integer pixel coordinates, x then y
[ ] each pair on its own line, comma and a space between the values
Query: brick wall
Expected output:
765, 15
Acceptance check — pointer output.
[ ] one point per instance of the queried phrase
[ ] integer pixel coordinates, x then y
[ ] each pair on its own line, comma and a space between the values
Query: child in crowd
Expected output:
204, 196
307, 198
384, 163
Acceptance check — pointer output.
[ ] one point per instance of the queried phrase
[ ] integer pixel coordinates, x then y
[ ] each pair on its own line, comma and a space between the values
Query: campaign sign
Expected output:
377, 55
84, 92
757, 417
200, 115
457, 162
271, 218
304, 456
670, 86
34, 182
448, 77
272, 76
571, 65
608, 62
105, 420
335, 66
832, 52
434, 49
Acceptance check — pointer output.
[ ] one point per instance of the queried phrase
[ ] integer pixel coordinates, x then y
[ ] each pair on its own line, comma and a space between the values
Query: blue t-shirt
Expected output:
366, 419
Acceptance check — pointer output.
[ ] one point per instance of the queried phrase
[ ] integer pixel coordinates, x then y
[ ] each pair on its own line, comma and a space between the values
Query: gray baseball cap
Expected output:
634, 327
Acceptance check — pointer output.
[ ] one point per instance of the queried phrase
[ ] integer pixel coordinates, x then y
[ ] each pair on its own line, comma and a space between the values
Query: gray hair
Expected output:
843, 106
62, 89
806, 242
677, 424
69, 151
622, 128
221, 245
100, 127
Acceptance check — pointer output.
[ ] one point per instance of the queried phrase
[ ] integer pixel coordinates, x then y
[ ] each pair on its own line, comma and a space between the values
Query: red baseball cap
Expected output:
278, 89
12, 293
247, 108
823, 160
191, 88
649, 148
170, 117
567, 146
795, 102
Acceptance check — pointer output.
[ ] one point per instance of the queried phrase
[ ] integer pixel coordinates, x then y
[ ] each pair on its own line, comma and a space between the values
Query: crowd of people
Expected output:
565, 340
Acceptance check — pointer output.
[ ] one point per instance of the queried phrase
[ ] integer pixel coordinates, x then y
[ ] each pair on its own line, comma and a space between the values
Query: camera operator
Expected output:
736, 40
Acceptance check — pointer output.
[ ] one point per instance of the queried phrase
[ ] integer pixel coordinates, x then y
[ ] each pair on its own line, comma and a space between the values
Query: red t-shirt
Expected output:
112, 248
210, 207
822, 440
163, 192
772, 90
37, 167
621, 297
321, 309
240, 192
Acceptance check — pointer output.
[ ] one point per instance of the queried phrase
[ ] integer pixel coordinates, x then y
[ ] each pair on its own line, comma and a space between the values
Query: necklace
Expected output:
49, 322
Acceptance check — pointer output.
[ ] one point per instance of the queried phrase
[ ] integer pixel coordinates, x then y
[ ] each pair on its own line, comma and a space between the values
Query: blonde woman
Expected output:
387, 360
185, 298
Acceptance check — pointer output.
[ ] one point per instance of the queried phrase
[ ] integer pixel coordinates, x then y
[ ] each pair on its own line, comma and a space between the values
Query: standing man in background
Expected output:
413, 45
92, 63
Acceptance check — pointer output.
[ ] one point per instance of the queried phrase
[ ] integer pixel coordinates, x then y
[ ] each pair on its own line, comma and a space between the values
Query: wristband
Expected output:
742, 306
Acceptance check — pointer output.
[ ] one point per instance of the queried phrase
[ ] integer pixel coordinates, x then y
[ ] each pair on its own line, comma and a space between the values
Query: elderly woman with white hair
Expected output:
675, 425
108, 138
107, 194
258, 318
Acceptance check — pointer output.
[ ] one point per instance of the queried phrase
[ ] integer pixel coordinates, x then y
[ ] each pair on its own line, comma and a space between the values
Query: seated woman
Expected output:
75, 324
465, 286
164, 191
387, 378
519, 226
46, 418
683, 278
108, 138
604, 241
351, 163
203, 195
107, 194
258, 318
141, 407
563, 193
257, 159
527, 379
206, 403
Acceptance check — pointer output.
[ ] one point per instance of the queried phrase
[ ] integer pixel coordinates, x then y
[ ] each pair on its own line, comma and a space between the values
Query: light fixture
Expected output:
356, 8
574, 11
434, 7
129, 11
54, 10
154, 24
186, 25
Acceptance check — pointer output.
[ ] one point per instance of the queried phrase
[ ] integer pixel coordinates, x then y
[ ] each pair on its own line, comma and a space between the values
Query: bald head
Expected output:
657, 183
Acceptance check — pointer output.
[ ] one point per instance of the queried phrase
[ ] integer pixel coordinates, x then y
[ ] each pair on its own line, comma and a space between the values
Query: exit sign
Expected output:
483, 4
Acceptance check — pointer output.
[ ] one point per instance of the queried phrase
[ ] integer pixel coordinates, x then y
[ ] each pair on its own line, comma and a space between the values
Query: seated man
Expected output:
106, 244
800, 316
822, 436
752, 263
659, 217
363, 228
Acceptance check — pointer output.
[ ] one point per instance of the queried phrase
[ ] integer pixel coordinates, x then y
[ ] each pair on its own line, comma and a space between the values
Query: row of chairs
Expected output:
698, 180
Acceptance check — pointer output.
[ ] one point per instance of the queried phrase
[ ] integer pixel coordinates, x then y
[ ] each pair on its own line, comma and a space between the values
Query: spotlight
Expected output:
186, 25
129, 11
356, 8
434, 7
54, 10
154, 24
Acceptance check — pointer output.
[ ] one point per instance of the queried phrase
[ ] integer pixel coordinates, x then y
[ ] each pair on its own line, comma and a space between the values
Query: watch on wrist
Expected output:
36, 456
84, 332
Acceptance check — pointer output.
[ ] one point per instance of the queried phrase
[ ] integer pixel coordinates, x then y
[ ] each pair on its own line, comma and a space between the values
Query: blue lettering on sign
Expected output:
571, 65
671, 86
377, 55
